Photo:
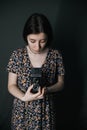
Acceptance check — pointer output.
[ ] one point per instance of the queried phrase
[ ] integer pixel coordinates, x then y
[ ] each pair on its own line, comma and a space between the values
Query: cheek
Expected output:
43, 45
30, 44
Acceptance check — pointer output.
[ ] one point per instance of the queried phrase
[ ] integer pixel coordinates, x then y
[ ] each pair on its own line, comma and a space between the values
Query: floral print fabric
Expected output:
39, 114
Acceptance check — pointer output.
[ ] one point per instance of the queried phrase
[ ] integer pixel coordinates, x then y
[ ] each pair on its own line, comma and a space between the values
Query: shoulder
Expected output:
19, 51
55, 52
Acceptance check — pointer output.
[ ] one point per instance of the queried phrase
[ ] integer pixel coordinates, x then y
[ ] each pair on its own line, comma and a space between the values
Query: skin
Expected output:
38, 52
37, 42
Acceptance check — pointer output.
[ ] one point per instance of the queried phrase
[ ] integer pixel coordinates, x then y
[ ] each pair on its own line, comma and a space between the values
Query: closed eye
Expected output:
32, 41
43, 41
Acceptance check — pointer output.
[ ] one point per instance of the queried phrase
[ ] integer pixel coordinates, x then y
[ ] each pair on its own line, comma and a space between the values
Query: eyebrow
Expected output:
32, 39
40, 39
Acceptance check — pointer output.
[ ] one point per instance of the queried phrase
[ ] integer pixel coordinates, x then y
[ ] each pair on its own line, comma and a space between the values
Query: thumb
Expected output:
30, 87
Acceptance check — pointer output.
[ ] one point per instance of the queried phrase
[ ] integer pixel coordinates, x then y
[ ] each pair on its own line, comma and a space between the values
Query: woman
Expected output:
34, 111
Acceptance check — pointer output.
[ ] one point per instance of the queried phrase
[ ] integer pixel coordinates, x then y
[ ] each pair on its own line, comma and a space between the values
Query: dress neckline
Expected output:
45, 61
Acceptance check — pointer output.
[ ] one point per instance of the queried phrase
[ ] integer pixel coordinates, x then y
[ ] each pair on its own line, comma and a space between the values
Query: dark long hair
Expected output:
38, 23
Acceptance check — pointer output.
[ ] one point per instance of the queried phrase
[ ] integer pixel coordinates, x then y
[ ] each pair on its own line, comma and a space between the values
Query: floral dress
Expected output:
39, 114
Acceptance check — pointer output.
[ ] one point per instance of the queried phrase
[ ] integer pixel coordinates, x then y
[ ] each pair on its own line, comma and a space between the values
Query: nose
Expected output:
37, 45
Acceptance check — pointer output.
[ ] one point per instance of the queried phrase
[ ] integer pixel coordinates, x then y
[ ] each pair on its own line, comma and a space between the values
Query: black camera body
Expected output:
36, 75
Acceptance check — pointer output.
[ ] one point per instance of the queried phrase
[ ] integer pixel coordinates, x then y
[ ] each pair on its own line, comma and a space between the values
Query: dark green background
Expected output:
69, 22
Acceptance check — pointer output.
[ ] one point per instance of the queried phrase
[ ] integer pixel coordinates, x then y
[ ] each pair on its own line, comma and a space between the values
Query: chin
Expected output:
38, 52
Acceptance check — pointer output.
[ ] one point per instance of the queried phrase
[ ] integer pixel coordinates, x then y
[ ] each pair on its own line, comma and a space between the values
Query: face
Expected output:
37, 42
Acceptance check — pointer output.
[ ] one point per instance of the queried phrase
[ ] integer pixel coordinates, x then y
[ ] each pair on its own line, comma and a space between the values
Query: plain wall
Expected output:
69, 22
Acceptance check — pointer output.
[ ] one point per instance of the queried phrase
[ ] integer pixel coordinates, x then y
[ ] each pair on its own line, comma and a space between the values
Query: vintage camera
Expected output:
36, 75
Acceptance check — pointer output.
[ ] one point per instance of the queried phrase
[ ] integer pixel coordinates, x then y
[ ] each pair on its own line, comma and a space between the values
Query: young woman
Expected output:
34, 111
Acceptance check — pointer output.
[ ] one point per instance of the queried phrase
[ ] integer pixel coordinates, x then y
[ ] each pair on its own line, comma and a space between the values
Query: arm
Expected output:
16, 92
12, 86
56, 87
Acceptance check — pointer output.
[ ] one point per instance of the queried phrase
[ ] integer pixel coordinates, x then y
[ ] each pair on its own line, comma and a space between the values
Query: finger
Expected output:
42, 92
41, 96
30, 87
38, 98
38, 93
39, 89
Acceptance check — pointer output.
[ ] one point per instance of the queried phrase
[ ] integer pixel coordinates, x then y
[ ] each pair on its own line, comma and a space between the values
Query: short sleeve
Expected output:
13, 63
60, 64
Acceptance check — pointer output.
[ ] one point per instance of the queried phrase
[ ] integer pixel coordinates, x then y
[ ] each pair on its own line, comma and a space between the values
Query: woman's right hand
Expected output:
29, 96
